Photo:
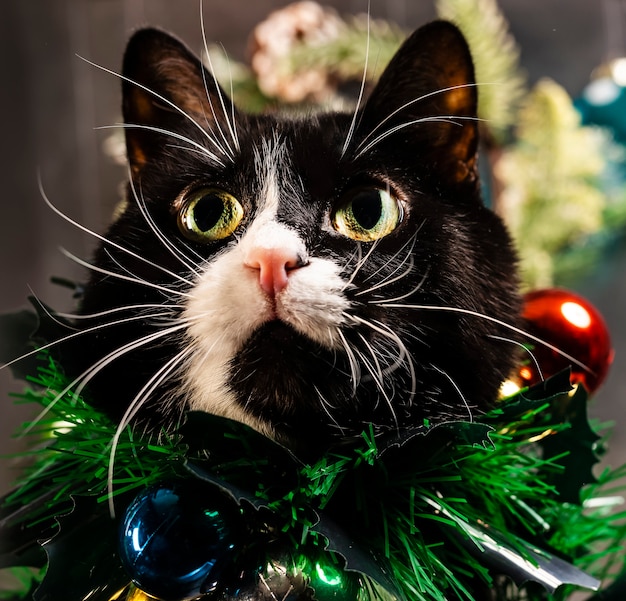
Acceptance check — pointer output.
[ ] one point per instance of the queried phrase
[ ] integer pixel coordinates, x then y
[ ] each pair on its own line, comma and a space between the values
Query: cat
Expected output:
307, 275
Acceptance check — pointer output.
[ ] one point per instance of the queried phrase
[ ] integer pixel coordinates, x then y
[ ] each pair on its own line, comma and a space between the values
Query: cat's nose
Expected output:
274, 265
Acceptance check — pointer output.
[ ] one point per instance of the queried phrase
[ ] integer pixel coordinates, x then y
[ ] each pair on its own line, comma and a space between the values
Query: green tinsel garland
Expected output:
425, 507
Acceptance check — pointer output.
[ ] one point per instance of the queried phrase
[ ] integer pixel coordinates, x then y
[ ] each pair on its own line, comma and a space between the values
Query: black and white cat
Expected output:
305, 275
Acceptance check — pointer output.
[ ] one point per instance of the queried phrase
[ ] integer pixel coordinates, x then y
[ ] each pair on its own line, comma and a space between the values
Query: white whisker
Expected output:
411, 292
326, 406
525, 348
355, 369
390, 280
228, 151
453, 119
82, 333
142, 397
377, 375
95, 369
493, 320
104, 239
407, 255
79, 383
361, 263
363, 81
152, 93
120, 276
122, 309
387, 332
232, 101
50, 315
409, 103
231, 127
172, 134
458, 390
165, 241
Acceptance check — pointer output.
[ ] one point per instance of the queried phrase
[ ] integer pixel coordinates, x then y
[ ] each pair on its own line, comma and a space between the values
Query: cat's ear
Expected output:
165, 86
427, 97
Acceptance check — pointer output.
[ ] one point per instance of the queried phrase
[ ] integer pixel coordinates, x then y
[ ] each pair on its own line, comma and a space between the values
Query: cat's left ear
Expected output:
166, 88
426, 98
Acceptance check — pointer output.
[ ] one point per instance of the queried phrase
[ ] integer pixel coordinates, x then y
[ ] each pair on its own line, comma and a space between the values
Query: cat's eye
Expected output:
209, 214
367, 214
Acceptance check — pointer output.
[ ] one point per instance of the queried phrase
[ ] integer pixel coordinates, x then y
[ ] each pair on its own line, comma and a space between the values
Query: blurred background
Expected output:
51, 103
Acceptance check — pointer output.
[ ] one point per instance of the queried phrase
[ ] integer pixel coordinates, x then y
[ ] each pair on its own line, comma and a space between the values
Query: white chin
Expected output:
227, 306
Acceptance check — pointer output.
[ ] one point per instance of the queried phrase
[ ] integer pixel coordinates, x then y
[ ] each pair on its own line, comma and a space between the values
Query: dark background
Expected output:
51, 102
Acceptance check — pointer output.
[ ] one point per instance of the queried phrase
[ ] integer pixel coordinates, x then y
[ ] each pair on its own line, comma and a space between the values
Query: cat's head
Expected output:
306, 275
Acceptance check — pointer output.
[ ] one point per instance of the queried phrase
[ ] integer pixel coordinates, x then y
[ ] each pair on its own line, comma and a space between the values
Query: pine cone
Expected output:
273, 41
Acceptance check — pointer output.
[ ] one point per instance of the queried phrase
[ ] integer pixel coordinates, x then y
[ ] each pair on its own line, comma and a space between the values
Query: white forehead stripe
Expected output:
228, 304
267, 159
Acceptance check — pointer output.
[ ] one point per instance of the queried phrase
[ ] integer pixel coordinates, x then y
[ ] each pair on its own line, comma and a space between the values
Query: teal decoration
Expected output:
603, 103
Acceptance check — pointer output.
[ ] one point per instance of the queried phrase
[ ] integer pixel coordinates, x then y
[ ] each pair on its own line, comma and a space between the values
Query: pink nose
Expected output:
274, 265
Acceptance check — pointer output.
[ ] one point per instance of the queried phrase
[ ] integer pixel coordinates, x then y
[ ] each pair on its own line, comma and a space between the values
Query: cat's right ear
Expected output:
165, 88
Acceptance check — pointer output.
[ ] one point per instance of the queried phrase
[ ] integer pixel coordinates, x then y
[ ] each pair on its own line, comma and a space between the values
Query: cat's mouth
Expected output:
275, 331
277, 368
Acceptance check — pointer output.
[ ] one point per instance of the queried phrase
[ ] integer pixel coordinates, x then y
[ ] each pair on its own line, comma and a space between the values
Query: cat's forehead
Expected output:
294, 155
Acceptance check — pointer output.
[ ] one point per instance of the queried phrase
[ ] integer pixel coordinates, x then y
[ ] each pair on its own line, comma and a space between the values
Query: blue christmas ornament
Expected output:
176, 537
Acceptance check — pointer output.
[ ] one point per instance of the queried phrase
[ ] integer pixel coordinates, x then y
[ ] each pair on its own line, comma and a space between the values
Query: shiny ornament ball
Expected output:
290, 578
175, 537
576, 333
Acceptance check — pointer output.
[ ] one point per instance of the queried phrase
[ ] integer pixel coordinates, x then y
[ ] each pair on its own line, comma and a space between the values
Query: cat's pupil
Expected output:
367, 208
208, 212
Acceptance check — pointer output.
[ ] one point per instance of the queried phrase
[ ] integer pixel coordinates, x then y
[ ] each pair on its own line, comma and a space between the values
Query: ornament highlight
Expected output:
174, 540
576, 332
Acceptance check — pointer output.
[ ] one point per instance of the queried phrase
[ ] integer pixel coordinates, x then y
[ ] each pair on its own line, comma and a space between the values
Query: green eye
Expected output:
209, 214
367, 215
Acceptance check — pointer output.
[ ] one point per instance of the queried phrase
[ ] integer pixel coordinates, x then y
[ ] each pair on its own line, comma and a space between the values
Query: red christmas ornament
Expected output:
571, 326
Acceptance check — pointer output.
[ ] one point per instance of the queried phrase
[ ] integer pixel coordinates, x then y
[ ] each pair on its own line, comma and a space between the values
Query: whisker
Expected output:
186, 149
228, 151
104, 239
496, 321
152, 93
140, 399
77, 316
408, 255
389, 280
123, 269
50, 315
232, 100
526, 349
326, 406
167, 132
408, 294
458, 390
409, 103
361, 263
120, 276
453, 119
387, 332
85, 377
377, 375
361, 91
231, 127
97, 367
355, 369
165, 241
82, 332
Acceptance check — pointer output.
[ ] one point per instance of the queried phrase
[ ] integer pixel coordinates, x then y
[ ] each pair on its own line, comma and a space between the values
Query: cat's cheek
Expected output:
314, 303
226, 306
223, 309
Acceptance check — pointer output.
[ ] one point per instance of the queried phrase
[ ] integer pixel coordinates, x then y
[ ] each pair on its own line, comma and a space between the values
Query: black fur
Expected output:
461, 251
